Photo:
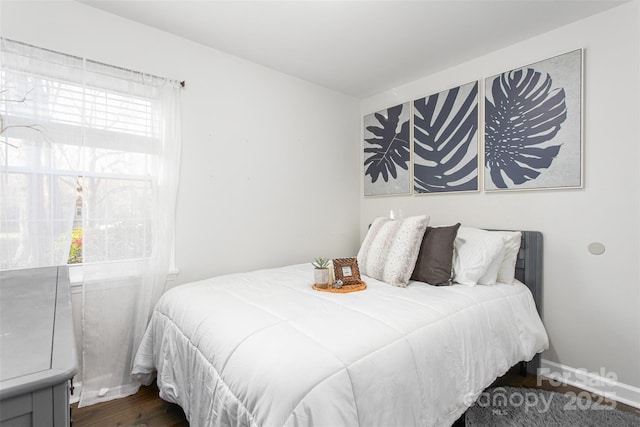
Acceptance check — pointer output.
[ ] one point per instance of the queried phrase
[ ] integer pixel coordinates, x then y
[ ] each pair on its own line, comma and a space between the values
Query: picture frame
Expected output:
387, 151
446, 141
346, 269
540, 146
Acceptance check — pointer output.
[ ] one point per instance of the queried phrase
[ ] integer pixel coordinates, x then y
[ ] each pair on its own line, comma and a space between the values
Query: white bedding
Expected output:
265, 349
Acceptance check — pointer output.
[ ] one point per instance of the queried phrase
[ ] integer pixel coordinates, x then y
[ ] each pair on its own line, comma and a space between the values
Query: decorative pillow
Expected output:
507, 271
475, 251
435, 259
390, 248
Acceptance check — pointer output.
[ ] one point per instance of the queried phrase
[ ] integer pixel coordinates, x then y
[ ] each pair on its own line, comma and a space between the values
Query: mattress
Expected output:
265, 349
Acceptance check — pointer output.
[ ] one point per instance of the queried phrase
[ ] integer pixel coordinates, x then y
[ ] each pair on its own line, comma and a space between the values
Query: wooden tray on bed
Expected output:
360, 286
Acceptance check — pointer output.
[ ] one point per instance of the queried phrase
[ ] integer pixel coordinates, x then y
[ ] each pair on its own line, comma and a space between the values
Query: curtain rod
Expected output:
181, 82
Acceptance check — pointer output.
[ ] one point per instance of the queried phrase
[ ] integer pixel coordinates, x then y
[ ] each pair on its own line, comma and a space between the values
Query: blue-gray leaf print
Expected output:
445, 127
389, 148
525, 114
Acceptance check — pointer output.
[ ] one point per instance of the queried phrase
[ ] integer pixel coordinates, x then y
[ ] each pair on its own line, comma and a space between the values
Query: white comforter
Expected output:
265, 349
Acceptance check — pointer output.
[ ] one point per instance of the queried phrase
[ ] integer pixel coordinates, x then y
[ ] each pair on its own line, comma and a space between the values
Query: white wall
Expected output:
591, 303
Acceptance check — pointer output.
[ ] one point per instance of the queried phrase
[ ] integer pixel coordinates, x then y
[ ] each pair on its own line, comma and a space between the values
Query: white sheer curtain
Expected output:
99, 154
39, 155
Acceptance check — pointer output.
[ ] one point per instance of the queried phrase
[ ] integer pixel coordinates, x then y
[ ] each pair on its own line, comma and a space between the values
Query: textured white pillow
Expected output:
390, 249
507, 271
476, 252
490, 277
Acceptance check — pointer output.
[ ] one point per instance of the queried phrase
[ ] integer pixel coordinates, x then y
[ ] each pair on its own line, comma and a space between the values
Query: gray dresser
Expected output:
37, 347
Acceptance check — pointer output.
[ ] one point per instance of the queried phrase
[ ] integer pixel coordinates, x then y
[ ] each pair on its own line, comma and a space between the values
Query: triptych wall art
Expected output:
532, 135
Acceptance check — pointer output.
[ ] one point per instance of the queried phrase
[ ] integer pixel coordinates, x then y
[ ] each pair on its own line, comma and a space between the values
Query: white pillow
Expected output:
477, 251
507, 271
490, 277
390, 249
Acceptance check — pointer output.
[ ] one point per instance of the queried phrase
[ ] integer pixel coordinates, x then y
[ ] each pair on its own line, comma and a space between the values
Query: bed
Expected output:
265, 349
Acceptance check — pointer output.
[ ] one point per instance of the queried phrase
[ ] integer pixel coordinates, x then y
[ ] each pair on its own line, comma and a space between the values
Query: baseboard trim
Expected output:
604, 384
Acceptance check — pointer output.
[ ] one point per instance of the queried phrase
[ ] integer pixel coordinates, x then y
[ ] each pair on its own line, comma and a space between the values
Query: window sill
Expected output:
76, 277
173, 274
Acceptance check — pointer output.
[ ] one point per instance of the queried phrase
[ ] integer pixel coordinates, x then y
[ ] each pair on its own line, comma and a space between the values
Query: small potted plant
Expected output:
321, 272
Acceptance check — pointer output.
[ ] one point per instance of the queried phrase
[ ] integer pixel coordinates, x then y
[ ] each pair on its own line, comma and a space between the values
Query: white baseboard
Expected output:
604, 383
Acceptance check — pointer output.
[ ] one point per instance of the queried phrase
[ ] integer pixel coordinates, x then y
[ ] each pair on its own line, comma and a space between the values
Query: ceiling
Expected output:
356, 47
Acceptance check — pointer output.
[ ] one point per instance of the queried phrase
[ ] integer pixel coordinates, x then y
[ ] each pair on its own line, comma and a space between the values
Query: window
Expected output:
80, 151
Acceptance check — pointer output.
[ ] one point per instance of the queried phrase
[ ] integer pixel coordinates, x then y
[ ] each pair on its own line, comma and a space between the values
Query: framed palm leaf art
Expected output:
533, 126
445, 141
387, 152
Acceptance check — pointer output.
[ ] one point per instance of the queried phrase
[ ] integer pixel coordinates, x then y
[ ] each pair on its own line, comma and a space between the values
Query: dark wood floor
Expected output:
146, 409
143, 409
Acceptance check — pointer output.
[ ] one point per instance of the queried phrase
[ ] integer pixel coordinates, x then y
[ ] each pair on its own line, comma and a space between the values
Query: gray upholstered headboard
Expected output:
529, 272
529, 265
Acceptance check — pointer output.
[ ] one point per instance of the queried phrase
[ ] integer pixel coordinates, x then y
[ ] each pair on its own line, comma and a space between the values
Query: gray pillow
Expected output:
435, 259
